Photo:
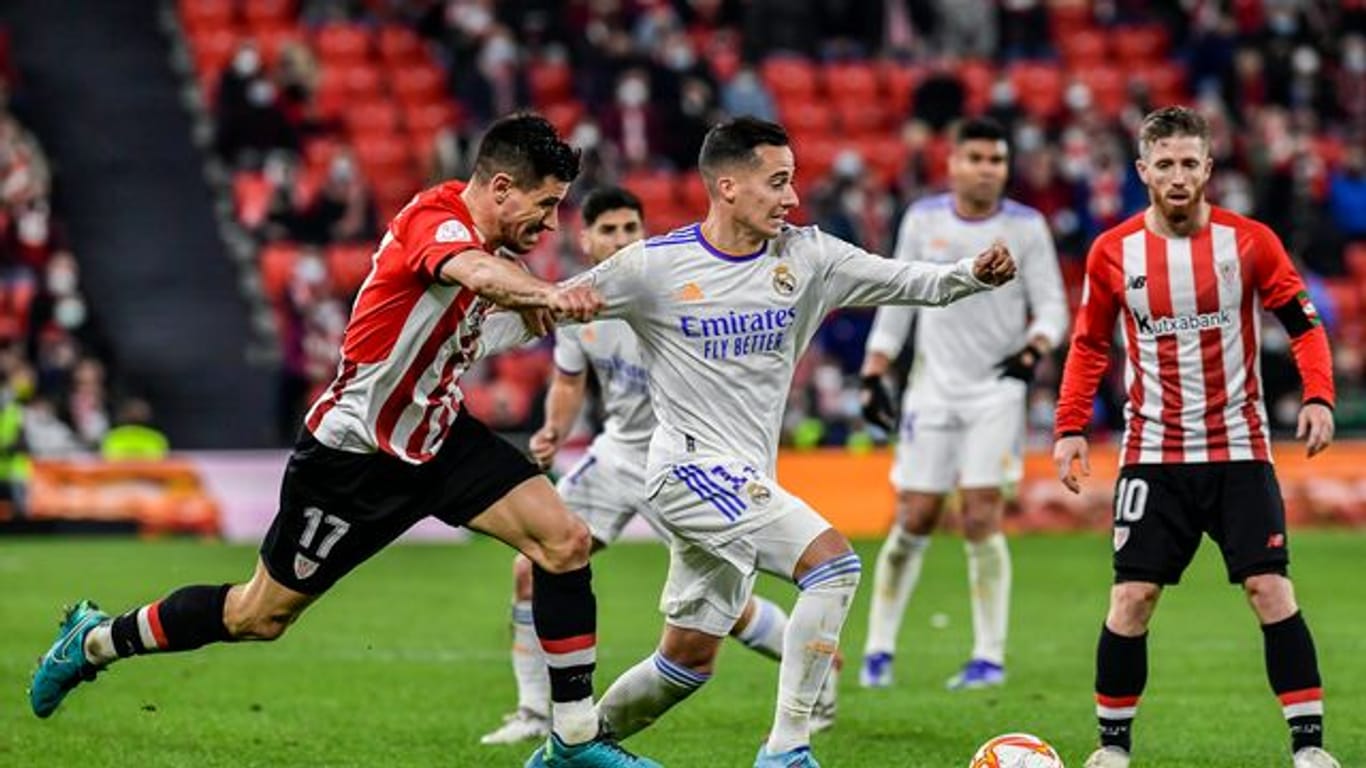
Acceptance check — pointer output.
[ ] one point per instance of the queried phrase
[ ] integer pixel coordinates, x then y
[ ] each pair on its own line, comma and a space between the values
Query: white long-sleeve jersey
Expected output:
720, 335
610, 349
959, 348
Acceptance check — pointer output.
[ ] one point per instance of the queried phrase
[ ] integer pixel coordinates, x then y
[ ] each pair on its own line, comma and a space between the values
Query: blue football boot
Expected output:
64, 667
602, 752
978, 673
877, 671
800, 757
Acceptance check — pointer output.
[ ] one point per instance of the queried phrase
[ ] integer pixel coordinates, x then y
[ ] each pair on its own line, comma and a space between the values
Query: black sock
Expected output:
1292, 666
1121, 674
566, 615
184, 620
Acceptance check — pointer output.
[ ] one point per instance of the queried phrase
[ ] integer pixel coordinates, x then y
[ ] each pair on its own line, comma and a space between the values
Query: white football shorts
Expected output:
971, 444
607, 488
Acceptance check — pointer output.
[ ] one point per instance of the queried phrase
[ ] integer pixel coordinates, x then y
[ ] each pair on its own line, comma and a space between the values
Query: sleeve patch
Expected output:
452, 231
1311, 313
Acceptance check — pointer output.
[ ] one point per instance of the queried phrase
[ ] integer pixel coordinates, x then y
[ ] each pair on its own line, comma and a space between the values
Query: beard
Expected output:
1179, 213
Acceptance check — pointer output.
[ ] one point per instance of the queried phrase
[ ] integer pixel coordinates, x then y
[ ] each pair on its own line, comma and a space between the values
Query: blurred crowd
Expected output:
55, 397
867, 90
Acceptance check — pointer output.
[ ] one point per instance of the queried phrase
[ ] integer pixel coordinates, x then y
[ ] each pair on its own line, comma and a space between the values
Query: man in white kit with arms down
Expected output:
962, 421
722, 311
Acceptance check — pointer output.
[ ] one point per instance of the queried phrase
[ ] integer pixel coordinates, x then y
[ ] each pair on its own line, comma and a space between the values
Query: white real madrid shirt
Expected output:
610, 349
959, 348
720, 334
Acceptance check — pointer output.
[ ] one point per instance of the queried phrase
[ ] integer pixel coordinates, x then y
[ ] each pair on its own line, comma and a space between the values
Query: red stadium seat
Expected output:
860, 117
806, 116
415, 84
384, 152
1066, 17
564, 116
259, 12
393, 192
429, 117
399, 45
1356, 261
789, 77
277, 267
901, 81
1084, 48
213, 49
692, 192
272, 40
978, 77
1146, 43
251, 194
340, 43
1108, 86
816, 155
667, 219
1038, 87
1166, 82
657, 190
348, 265
363, 81
205, 15
550, 82
885, 156
373, 116
851, 81
724, 62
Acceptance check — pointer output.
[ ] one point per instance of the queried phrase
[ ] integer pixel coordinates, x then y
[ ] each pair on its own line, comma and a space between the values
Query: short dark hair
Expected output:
604, 199
978, 128
733, 142
526, 147
1167, 122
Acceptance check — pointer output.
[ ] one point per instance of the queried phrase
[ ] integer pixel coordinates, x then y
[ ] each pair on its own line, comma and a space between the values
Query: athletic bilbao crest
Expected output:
303, 567
1228, 272
1121, 537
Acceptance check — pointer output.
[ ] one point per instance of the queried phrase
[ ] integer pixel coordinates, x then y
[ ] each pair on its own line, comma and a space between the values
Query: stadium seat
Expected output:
805, 115
362, 80
1084, 48
272, 40
212, 49
667, 219
399, 45
277, 267
348, 265
861, 117
372, 116
850, 81
816, 155
392, 192
1345, 293
657, 190
885, 155
564, 116
1038, 87
416, 84
692, 192
550, 82
427, 118
1066, 17
1142, 43
262, 12
251, 194
1108, 86
381, 150
204, 15
900, 81
789, 78
1166, 82
977, 76
341, 44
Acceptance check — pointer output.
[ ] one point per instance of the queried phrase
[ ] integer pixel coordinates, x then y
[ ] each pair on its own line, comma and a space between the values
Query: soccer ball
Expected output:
1016, 750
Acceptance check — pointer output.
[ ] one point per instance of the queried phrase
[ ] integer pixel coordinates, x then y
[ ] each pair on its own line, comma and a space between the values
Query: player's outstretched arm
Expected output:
508, 284
855, 277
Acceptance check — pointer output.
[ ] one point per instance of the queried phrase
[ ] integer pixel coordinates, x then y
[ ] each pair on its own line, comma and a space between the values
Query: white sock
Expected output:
989, 580
575, 722
894, 579
646, 691
764, 632
528, 663
813, 636
99, 645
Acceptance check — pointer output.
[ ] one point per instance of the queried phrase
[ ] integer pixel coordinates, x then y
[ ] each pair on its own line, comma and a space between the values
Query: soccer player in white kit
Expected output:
722, 311
607, 486
962, 421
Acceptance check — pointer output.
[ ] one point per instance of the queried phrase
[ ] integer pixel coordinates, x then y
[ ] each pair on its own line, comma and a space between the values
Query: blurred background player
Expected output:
722, 310
388, 445
1188, 280
607, 486
963, 413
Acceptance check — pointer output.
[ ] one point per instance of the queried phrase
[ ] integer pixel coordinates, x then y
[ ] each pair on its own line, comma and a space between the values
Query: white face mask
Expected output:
247, 62
632, 93
33, 227
69, 313
260, 93
61, 280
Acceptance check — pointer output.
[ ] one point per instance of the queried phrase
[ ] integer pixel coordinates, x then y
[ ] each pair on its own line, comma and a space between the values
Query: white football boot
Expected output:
1313, 757
522, 725
1108, 757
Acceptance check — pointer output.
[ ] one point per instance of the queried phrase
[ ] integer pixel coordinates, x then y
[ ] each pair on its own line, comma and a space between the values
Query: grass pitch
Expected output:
405, 664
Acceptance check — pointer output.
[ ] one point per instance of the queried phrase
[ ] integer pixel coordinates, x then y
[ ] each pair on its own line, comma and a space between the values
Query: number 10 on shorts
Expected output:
1131, 497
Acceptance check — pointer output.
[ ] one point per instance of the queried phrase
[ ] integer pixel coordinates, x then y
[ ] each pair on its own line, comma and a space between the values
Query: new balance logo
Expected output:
1137, 282
690, 292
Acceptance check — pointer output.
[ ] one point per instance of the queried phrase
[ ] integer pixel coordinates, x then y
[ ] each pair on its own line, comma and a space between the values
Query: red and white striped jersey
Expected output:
409, 339
1191, 312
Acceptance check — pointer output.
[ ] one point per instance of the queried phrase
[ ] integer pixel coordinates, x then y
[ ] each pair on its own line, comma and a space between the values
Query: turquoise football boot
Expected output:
602, 752
800, 757
64, 667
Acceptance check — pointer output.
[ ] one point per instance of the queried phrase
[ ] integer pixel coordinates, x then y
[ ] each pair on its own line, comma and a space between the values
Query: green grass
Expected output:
404, 664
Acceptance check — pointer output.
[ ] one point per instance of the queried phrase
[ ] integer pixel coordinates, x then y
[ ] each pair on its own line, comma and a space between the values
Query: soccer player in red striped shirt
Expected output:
1186, 282
389, 444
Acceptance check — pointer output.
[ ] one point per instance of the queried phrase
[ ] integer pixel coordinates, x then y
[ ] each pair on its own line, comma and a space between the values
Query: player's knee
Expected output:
1272, 597
569, 551
977, 527
840, 573
918, 516
1132, 605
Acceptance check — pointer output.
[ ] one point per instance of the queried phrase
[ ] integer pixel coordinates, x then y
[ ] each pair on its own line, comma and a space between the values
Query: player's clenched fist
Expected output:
576, 302
995, 265
544, 445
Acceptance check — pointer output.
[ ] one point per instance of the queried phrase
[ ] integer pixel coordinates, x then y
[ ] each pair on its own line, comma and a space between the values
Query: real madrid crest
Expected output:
784, 282
759, 494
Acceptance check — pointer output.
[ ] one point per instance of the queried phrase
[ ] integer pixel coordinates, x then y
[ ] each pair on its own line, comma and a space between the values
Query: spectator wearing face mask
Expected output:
632, 123
343, 211
251, 120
